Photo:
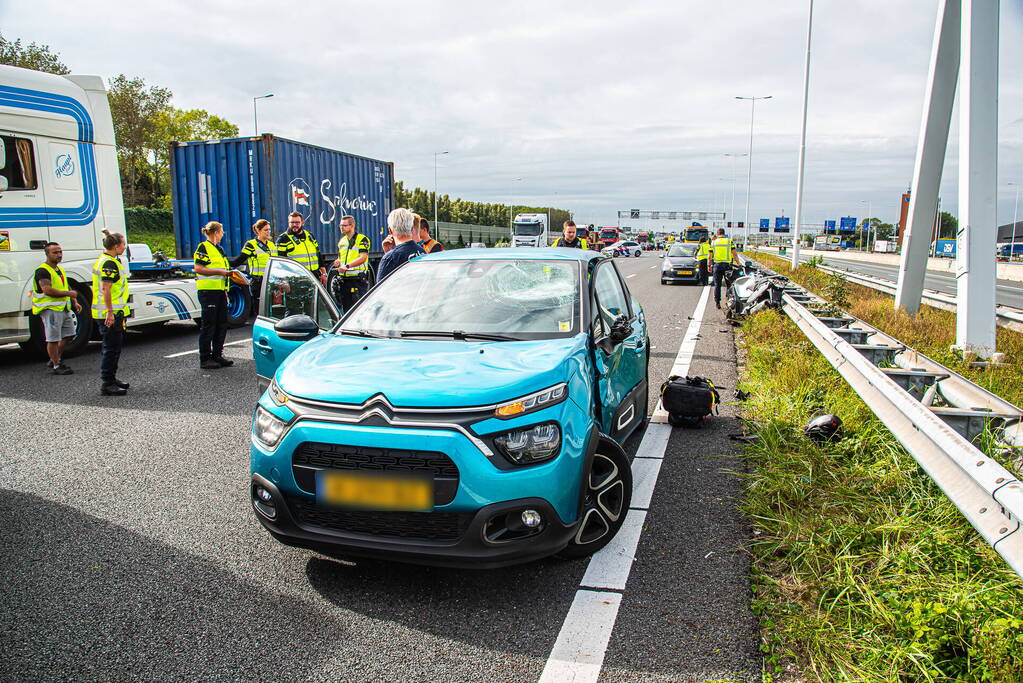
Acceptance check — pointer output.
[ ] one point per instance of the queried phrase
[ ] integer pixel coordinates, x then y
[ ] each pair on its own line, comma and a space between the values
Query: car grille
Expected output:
311, 456
422, 526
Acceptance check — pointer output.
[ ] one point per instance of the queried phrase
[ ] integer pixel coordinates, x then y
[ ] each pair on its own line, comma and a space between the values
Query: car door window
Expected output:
290, 290
611, 301
325, 318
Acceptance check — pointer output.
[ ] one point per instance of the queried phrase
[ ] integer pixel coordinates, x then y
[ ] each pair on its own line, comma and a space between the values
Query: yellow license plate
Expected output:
375, 491
685, 272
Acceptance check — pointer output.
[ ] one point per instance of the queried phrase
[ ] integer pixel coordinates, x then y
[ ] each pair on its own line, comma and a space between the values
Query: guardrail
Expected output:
934, 412
1007, 317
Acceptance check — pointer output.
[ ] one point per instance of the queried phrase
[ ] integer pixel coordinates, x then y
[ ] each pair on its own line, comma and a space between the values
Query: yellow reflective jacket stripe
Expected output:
306, 252
119, 291
217, 260
40, 301
722, 248
348, 251
261, 254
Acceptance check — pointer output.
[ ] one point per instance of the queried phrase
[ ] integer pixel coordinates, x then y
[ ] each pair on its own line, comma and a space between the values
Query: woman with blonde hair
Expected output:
212, 271
110, 308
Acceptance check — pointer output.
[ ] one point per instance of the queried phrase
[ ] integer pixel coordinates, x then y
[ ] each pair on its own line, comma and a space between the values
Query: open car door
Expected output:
293, 307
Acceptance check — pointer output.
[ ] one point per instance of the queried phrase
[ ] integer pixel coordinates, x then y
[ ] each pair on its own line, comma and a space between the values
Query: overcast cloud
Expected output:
597, 106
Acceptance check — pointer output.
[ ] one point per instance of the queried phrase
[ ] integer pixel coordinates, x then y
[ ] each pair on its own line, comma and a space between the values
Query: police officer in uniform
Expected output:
298, 244
212, 271
352, 264
722, 252
702, 255
110, 308
256, 253
569, 239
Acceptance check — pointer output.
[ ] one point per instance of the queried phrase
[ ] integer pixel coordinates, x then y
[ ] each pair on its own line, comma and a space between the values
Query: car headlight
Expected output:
532, 444
666, 266
532, 402
276, 393
267, 427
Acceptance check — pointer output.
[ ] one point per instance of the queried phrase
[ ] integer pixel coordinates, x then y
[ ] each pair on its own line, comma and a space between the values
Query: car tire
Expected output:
663, 281
606, 502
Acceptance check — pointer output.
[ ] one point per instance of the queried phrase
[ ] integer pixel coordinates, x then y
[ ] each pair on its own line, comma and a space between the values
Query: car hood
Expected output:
427, 373
680, 260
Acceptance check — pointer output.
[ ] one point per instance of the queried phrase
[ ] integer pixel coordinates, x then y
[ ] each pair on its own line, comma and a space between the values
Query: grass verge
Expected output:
931, 332
863, 570
158, 240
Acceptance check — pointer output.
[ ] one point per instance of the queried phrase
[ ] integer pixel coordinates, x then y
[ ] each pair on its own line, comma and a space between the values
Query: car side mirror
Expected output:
621, 328
298, 328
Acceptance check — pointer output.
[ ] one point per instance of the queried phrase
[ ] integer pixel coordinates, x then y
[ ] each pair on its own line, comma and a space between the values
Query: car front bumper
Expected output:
487, 490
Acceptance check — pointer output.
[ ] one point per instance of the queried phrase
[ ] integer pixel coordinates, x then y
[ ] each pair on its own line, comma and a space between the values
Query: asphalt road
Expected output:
130, 550
1007, 292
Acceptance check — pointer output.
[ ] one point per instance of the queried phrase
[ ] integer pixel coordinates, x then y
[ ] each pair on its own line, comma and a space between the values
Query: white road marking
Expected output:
685, 352
185, 353
579, 651
628, 276
654, 266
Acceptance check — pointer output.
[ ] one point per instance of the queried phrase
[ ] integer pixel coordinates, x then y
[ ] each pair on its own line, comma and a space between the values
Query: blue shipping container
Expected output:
237, 181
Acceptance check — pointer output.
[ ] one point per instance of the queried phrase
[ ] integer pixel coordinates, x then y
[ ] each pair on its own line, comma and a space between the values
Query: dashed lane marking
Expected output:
579, 651
628, 276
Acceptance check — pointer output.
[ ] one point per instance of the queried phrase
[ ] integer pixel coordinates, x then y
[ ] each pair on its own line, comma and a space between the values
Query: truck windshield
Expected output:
523, 299
606, 234
696, 234
529, 229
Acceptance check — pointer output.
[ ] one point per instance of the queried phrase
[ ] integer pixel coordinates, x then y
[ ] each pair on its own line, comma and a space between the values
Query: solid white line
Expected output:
609, 569
644, 477
685, 352
579, 650
185, 353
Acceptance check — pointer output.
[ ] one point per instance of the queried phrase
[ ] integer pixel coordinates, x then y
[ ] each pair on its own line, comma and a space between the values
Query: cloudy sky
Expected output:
597, 106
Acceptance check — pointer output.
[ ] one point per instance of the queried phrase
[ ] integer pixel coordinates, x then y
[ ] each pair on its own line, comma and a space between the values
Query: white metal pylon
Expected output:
930, 155
965, 49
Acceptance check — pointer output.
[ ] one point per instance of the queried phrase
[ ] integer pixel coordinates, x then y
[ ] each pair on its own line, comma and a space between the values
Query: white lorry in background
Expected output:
59, 183
530, 230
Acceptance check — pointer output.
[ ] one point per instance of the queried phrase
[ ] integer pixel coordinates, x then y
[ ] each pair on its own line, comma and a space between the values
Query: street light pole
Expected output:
255, 120
802, 143
511, 212
435, 155
1015, 214
749, 171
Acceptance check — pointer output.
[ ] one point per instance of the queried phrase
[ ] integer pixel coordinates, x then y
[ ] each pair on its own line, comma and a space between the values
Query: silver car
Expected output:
680, 265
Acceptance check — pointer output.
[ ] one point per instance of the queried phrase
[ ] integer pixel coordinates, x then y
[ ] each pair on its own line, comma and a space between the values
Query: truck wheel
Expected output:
239, 306
608, 492
84, 328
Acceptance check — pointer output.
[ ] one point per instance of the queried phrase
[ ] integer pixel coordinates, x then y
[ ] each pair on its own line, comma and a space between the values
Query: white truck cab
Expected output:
59, 182
530, 230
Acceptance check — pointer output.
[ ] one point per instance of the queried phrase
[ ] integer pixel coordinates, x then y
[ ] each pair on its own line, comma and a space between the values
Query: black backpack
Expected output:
688, 400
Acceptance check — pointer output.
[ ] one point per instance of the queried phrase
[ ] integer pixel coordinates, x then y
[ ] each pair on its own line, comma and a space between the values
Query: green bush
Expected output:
154, 227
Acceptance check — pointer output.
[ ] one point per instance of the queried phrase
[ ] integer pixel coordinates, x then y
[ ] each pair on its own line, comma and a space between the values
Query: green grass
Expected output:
862, 568
158, 240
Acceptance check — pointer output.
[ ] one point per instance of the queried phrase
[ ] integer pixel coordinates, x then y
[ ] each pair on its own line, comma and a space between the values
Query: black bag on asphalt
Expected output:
688, 400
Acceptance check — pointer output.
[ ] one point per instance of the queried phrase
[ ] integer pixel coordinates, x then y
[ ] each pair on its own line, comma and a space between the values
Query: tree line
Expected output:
145, 123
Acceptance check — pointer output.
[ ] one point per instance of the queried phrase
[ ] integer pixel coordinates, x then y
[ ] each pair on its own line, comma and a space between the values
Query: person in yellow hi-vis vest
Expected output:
212, 275
256, 254
702, 256
569, 237
52, 299
300, 245
110, 308
722, 254
352, 264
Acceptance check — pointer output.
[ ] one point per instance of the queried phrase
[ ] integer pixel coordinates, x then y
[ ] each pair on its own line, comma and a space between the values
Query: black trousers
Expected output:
254, 288
351, 290
719, 276
110, 351
704, 275
213, 304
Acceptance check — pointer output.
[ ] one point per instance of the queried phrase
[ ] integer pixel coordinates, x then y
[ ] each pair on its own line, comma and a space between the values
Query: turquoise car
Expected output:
469, 411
